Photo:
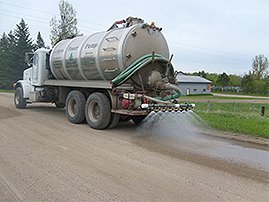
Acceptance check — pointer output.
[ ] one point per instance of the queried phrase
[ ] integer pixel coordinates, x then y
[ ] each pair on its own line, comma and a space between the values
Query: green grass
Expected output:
243, 118
241, 93
212, 97
6, 91
237, 123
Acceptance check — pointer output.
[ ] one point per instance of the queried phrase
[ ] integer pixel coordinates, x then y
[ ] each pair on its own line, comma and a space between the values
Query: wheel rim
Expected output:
17, 98
94, 111
72, 107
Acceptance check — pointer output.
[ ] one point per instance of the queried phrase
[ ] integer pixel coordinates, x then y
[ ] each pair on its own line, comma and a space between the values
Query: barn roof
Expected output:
182, 78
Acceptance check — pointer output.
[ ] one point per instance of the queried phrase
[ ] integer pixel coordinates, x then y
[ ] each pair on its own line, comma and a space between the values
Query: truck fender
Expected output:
26, 87
113, 99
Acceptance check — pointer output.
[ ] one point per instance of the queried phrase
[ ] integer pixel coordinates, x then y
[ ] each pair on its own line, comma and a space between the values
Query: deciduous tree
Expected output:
223, 79
66, 26
248, 83
260, 66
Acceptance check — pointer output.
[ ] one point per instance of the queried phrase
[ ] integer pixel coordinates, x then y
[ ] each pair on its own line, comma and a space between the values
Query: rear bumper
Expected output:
131, 112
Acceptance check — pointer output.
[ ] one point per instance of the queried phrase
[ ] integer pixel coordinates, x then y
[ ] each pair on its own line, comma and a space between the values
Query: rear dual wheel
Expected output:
75, 106
96, 110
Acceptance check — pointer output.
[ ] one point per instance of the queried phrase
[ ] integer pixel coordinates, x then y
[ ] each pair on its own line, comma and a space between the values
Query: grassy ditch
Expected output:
243, 118
232, 114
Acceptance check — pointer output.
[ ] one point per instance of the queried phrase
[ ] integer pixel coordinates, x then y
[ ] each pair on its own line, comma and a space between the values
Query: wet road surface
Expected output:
185, 131
43, 157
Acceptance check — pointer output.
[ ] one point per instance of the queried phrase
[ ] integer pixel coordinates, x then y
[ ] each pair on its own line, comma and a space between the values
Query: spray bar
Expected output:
170, 107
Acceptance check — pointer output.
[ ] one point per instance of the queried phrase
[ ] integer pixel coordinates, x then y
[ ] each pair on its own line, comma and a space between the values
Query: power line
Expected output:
18, 6
14, 25
19, 13
202, 51
43, 22
181, 45
26, 18
50, 13
207, 51
46, 20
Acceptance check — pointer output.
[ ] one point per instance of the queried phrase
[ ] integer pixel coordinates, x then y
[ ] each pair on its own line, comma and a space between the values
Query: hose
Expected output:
157, 100
173, 96
137, 65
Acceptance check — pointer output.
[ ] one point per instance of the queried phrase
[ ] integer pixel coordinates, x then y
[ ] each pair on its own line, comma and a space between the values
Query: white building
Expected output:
190, 85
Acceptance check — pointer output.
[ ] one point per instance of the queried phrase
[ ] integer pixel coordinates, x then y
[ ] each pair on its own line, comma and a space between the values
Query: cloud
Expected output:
215, 35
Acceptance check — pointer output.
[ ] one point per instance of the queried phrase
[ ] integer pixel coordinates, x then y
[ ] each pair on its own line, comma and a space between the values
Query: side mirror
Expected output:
29, 58
47, 61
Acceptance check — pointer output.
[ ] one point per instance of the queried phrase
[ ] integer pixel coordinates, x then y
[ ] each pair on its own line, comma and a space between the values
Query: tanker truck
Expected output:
120, 74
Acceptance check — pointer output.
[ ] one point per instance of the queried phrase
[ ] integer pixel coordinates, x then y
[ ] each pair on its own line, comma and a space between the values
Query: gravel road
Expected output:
43, 157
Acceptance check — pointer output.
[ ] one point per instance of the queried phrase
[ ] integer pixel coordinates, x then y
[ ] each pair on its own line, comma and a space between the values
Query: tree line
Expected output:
256, 81
13, 47
15, 44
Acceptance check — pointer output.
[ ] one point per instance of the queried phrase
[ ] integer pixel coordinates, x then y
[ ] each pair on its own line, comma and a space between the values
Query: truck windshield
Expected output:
29, 58
48, 61
35, 60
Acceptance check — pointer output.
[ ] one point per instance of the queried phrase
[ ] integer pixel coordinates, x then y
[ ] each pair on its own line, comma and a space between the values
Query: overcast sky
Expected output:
210, 35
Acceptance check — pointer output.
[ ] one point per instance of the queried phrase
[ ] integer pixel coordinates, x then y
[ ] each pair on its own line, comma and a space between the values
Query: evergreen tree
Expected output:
12, 62
24, 44
66, 26
39, 42
3, 60
12, 54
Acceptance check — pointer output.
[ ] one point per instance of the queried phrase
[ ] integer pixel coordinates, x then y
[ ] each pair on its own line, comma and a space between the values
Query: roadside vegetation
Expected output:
255, 82
16, 43
212, 97
238, 117
6, 91
242, 93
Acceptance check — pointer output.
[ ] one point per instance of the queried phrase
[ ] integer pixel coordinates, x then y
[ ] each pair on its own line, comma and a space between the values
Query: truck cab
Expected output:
30, 87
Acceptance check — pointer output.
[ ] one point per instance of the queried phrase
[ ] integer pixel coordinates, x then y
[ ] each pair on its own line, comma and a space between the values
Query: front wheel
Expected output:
19, 101
98, 111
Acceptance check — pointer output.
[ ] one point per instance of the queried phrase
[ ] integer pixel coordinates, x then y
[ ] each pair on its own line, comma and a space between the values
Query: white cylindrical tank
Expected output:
105, 55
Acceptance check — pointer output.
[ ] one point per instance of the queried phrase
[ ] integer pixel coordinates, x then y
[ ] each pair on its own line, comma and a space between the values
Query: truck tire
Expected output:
75, 106
19, 101
138, 119
98, 111
114, 120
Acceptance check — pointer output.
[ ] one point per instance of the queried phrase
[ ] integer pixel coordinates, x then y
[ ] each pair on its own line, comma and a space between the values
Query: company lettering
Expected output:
93, 45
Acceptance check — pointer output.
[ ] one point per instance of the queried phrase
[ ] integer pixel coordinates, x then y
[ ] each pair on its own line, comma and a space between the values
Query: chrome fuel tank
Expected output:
105, 55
